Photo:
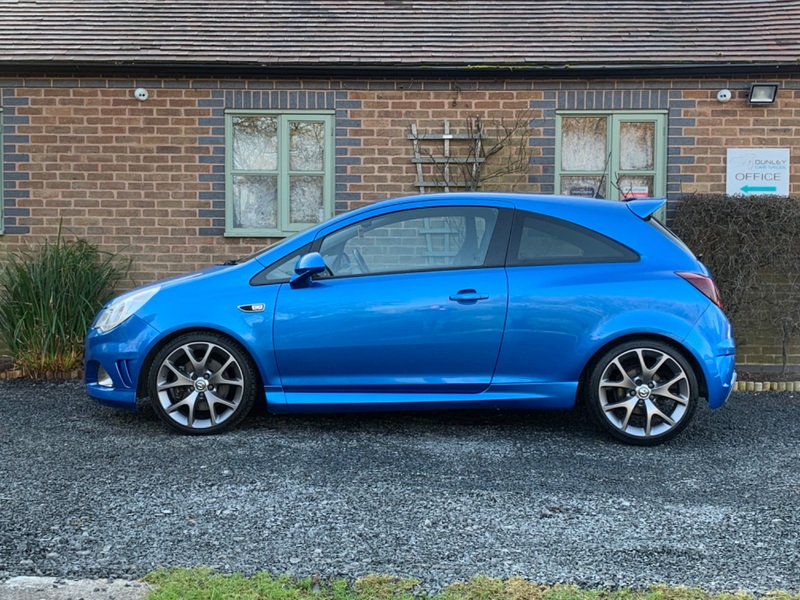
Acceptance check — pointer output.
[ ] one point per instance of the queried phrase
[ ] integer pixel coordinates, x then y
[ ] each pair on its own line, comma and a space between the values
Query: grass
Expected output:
205, 584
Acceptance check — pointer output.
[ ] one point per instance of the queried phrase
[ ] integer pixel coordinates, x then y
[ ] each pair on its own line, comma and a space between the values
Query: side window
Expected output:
542, 240
414, 240
280, 270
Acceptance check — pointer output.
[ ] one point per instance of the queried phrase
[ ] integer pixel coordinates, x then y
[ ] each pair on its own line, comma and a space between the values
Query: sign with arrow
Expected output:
757, 171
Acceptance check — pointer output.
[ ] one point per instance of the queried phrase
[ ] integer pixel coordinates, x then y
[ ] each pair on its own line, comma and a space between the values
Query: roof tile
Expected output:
392, 33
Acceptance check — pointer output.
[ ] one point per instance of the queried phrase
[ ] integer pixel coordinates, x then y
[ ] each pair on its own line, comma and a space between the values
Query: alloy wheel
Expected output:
644, 394
201, 385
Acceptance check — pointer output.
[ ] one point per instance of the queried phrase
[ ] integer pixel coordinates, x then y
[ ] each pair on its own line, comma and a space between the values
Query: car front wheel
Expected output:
642, 392
202, 383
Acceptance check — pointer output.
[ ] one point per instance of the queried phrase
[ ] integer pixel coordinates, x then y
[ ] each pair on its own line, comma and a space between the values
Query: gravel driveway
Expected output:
88, 491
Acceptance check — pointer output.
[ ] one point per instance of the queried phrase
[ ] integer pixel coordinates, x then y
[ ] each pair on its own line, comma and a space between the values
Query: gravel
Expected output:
92, 492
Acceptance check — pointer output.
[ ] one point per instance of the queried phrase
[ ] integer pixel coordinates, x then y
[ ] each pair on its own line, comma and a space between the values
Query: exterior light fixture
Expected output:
763, 93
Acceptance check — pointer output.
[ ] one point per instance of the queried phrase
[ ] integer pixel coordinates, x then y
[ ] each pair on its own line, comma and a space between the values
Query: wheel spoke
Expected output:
197, 366
181, 379
214, 400
628, 405
670, 396
218, 377
663, 389
626, 383
190, 402
220, 380
649, 373
654, 411
203, 364
642, 365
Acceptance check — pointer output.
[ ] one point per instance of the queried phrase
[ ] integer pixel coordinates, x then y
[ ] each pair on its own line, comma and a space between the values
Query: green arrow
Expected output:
748, 188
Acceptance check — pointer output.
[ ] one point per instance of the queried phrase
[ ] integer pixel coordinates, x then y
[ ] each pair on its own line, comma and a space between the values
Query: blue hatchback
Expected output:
439, 301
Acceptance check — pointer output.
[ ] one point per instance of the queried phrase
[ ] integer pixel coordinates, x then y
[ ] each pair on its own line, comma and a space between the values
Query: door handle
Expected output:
468, 296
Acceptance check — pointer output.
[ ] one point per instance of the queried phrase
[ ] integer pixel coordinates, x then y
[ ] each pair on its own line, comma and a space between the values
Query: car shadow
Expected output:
456, 422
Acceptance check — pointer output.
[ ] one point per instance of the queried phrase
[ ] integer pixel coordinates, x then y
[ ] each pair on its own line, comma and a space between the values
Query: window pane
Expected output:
284, 268
636, 186
637, 146
587, 187
255, 143
545, 240
305, 199
306, 145
255, 202
415, 240
583, 143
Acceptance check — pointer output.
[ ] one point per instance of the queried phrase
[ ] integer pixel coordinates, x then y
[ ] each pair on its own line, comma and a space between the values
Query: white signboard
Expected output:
757, 171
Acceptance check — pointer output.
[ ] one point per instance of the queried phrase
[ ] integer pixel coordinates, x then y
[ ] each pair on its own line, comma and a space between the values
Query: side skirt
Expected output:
545, 396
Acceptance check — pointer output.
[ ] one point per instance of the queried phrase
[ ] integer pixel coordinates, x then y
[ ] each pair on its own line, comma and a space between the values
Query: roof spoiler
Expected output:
646, 207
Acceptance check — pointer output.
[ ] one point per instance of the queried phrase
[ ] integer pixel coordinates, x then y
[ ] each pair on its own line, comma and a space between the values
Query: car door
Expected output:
415, 302
565, 281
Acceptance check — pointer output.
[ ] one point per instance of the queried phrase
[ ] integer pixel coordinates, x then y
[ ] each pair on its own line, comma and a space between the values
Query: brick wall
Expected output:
146, 179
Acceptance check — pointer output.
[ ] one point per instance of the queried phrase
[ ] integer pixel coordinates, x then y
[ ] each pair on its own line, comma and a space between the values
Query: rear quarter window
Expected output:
542, 240
669, 234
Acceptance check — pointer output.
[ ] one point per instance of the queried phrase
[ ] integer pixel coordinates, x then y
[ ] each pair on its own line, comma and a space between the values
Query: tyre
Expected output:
202, 383
642, 392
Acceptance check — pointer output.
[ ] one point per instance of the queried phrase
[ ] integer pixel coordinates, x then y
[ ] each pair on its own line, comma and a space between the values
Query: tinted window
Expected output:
281, 270
669, 233
541, 240
413, 240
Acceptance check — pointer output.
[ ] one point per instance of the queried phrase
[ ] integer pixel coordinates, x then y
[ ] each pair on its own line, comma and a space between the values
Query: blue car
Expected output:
472, 300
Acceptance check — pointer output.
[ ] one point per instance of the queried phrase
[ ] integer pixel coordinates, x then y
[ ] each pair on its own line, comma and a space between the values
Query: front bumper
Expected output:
114, 361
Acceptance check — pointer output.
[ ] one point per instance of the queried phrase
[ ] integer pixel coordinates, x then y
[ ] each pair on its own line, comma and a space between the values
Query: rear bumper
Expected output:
712, 342
720, 390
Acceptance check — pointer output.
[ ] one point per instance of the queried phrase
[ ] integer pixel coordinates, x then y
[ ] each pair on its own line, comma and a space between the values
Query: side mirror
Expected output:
307, 266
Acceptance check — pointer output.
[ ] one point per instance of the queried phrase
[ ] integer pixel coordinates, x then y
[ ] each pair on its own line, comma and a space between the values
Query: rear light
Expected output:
705, 284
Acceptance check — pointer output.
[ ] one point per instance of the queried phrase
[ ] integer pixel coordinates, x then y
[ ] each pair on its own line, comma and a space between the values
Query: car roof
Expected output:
605, 216
564, 206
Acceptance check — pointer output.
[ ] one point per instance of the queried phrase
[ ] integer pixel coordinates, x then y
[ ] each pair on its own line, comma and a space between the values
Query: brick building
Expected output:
183, 133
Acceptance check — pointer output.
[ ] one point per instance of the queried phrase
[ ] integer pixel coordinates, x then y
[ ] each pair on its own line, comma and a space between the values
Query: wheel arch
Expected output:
685, 352
147, 363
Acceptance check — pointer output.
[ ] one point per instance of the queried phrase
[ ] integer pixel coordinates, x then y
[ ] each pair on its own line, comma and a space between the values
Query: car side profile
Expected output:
468, 300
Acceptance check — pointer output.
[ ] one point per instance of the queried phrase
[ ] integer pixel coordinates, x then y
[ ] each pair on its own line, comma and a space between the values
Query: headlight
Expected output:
120, 309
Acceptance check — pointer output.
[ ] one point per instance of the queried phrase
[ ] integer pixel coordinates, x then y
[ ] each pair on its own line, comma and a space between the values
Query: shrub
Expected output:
48, 296
752, 247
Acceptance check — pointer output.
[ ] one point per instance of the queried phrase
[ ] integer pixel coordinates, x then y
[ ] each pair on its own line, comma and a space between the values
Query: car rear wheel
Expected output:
202, 383
642, 392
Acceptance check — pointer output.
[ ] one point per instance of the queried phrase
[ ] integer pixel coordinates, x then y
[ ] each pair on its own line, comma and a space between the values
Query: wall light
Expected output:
763, 93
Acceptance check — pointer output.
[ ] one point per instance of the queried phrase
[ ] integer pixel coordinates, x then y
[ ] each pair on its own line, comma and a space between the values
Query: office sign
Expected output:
753, 171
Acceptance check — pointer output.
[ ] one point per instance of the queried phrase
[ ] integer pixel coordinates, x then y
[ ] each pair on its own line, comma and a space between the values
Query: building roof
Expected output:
390, 34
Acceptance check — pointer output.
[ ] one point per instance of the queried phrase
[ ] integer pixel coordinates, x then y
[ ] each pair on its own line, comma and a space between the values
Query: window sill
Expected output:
258, 233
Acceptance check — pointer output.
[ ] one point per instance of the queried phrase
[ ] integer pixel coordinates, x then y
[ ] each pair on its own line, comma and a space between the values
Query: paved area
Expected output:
88, 492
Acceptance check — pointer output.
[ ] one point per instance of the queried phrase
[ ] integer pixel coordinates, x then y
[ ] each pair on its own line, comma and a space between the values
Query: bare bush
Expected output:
479, 152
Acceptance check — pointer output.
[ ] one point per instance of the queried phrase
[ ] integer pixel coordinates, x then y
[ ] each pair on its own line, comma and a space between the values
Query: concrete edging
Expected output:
52, 588
20, 374
767, 386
